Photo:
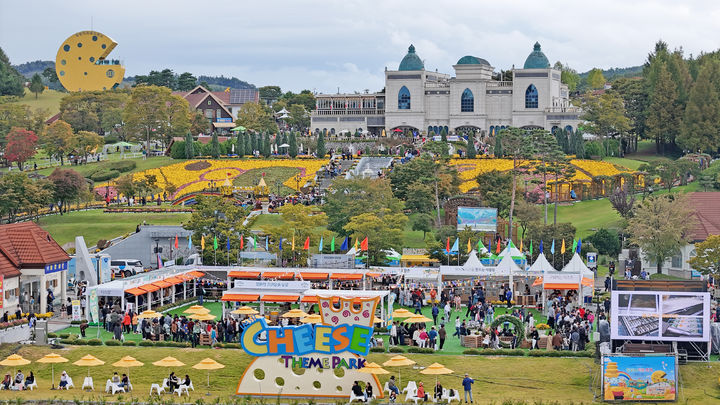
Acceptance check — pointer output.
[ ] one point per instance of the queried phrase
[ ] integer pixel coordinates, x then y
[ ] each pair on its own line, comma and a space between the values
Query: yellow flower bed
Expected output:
597, 167
189, 181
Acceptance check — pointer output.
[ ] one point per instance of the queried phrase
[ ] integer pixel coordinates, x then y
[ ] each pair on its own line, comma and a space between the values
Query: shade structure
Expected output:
238, 128
398, 361
244, 311
203, 317
377, 320
208, 364
294, 313
128, 361
52, 359
417, 319
196, 309
373, 368
314, 318
401, 313
169, 362
436, 369
149, 314
14, 360
89, 361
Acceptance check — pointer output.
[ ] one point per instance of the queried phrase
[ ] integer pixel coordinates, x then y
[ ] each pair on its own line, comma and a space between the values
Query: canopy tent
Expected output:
511, 250
576, 265
473, 260
507, 267
541, 265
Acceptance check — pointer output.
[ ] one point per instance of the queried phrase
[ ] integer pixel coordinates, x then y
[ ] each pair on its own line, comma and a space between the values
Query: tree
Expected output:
11, 82
165, 78
50, 74
58, 140
126, 186
351, 197
321, 146
623, 200
198, 123
299, 117
471, 152
419, 197
516, 145
214, 146
20, 194
189, 147
186, 82
145, 113
177, 115
383, 229
293, 148
96, 111
269, 93
240, 141
568, 76
707, 259
88, 141
562, 171
595, 79
36, 85
256, 117
701, 122
606, 242
526, 213
299, 222
422, 222
548, 234
495, 188
217, 217
546, 150
606, 115
67, 185
635, 100
266, 146
661, 226
20, 146
663, 114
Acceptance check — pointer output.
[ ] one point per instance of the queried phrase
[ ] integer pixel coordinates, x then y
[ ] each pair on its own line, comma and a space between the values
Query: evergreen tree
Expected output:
293, 149
240, 146
266, 145
701, 123
321, 146
471, 152
215, 146
498, 151
189, 147
578, 144
562, 139
443, 135
253, 144
663, 115
284, 138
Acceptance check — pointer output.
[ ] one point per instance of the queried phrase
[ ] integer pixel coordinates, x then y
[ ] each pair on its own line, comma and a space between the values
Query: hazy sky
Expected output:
323, 45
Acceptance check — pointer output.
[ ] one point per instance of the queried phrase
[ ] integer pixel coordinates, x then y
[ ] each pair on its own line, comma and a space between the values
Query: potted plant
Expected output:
542, 328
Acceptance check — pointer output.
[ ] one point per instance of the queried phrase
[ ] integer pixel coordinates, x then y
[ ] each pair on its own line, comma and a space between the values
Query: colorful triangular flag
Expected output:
455, 248
531, 248
176, 242
215, 242
307, 244
320, 246
332, 245
552, 247
541, 246
346, 244
562, 247
364, 244
202, 242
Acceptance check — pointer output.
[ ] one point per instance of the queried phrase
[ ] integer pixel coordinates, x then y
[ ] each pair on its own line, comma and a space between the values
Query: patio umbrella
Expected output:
398, 361
51, 359
436, 369
244, 311
417, 319
401, 313
14, 360
89, 361
373, 368
149, 314
208, 364
203, 317
284, 146
196, 309
377, 320
169, 362
238, 128
127, 362
314, 318
295, 313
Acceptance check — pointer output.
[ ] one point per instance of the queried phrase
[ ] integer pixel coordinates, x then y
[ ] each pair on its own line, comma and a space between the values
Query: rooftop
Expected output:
411, 61
707, 213
25, 245
536, 59
472, 60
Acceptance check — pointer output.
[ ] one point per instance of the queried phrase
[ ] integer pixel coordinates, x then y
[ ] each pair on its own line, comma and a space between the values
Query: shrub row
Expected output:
396, 349
531, 353
377, 350
425, 350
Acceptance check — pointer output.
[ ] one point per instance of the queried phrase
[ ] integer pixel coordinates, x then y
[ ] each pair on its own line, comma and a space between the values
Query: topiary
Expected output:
129, 343
113, 342
94, 342
64, 335
396, 349
474, 352
515, 321
80, 342
123, 165
146, 343
377, 350
52, 335
104, 175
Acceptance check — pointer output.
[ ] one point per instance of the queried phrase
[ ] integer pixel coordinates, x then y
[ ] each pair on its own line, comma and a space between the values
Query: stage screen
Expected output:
478, 219
660, 315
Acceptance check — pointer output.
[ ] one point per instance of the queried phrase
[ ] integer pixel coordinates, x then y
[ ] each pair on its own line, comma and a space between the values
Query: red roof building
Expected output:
219, 107
707, 214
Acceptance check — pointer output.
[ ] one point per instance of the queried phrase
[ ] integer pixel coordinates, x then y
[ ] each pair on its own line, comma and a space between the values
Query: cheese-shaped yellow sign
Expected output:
82, 64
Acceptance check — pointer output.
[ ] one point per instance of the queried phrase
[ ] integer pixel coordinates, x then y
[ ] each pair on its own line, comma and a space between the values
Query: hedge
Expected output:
94, 342
377, 350
129, 343
146, 343
68, 341
104, 175
113, 342
80, 342
396, 349
122, 165
64, 335
52, 335
425, 350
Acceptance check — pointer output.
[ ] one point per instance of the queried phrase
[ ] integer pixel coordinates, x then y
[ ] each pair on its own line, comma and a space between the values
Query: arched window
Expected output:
429, 129
554, 129
569, 129
404, 98
531, 97
467, 101
492, 130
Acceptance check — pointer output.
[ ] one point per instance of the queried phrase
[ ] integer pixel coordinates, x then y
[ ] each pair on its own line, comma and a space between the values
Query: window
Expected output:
677, 261
218, 113
531, 97
208, 113
209, 102
404, 98
569, 129
467, 101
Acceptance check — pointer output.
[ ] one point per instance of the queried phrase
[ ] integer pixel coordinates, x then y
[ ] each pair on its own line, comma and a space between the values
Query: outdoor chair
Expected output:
33, 385
455, 396
411, 385
88, 383
179, 390
354, 397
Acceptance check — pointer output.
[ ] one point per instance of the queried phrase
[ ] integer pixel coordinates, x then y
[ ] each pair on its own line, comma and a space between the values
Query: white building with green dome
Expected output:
421, 101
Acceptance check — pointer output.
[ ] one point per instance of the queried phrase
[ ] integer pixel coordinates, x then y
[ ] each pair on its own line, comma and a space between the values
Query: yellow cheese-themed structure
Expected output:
82, 65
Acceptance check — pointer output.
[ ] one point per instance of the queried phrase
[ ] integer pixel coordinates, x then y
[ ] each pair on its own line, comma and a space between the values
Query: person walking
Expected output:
442, 334
467, 383
435, 313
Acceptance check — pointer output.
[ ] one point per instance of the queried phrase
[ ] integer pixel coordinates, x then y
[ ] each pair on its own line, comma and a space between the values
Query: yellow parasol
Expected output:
373, 368
401, 313
89, 361
398, 361
149, 314
169, 362
127, 362
436, 369
244, 311
417, 319
203, 317
314, 318
14, 360
51, 359
208, 364
294, 313
196, 309
377, 320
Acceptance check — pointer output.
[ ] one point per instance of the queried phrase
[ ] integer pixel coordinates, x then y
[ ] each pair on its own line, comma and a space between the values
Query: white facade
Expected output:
535, 98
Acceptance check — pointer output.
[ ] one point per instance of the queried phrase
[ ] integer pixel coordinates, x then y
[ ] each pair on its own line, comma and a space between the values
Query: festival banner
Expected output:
639, 378
76, 310
93, 303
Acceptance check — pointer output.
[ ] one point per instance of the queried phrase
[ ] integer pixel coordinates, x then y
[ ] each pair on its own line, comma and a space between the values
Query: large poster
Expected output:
639, 378
478, 219
660, 315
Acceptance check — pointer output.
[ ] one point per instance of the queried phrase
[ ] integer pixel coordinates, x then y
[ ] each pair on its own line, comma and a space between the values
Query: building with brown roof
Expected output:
219, 107
31, 262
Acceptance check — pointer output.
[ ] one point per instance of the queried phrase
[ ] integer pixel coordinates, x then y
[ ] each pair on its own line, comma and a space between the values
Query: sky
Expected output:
326, 46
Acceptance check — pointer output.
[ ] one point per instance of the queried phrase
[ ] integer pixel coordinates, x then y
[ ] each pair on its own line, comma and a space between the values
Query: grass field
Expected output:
587, 216
497, 379
48, 100
95, 224
142, 164
625, 162
274, 178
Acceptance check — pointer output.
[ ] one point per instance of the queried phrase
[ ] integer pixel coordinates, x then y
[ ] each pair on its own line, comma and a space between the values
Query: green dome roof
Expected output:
411, 61
536, 59
472, 60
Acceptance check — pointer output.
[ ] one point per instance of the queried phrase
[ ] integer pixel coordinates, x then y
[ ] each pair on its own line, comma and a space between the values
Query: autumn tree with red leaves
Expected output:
20, 145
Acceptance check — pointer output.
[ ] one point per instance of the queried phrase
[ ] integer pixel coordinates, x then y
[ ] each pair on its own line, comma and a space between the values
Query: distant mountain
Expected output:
224, 82
28, 69
616, 73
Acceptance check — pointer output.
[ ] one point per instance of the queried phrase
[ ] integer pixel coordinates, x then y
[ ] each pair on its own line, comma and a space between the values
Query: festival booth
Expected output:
464, 277
574, 276
157, 287
319, 277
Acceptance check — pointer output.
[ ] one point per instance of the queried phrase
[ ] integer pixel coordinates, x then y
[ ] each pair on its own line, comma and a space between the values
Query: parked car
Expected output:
125, 267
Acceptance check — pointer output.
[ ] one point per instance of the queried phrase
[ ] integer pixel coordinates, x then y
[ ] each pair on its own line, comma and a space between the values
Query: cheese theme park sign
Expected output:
319, 360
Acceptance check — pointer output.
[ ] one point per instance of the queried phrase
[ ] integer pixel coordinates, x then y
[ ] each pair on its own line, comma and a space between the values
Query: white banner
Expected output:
561, 278
272, 285
76, 311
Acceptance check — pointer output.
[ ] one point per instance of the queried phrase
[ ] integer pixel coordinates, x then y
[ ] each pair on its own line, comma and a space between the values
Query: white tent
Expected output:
507, 267
351, 252
541, 265
577, 266
511, 250
473, 260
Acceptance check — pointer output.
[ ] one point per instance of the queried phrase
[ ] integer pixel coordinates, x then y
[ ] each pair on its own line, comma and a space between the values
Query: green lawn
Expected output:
274, 178
263, 221
587, 216
95, 224
625, 162
47, 100
142, 164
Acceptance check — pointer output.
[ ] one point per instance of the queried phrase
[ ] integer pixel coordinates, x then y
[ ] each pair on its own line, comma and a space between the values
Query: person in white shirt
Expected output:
448, 310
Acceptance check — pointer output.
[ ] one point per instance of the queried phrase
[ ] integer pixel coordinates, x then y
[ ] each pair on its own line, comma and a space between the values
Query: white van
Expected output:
125, 267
